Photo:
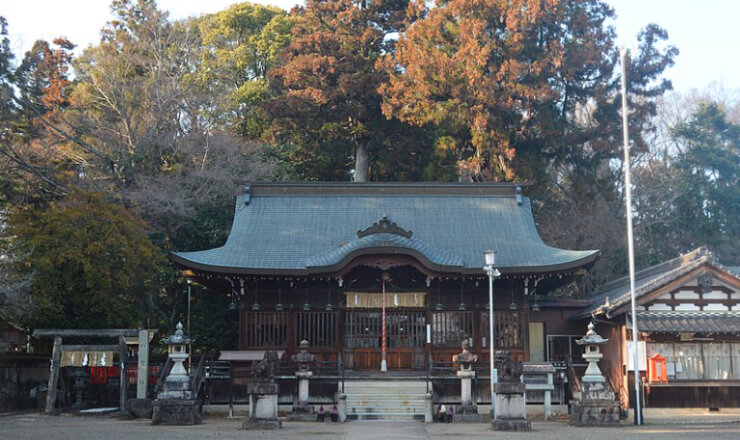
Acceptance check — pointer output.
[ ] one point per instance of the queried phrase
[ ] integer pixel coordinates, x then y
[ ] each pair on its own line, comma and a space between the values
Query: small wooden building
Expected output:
688, 312
342, 264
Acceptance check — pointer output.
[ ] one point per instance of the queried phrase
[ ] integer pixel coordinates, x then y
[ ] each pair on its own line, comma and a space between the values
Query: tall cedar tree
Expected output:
534, 78
327, 104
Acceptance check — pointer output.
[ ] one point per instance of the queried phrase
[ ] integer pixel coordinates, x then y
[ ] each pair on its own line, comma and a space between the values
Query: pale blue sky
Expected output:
706, 32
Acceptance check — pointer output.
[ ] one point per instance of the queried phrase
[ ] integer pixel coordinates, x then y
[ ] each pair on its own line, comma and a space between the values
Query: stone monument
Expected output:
263, 395
468, 411
303, 359
176, 404
594, 404
511, 403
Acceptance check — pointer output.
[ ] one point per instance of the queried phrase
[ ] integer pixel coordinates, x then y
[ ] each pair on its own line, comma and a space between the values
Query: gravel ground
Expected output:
672, 425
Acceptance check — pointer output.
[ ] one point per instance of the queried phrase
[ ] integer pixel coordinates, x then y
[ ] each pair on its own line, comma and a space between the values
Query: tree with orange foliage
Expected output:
518, 84
327, 103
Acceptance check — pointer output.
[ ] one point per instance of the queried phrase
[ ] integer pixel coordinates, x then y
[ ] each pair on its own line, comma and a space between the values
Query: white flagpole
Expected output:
630, 240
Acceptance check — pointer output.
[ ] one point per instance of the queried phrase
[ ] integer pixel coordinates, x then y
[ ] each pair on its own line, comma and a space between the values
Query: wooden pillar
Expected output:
242, 327
428, 345
292, 333
54, 366
142, 373
231, 390
339, 320
477, 339
122, 381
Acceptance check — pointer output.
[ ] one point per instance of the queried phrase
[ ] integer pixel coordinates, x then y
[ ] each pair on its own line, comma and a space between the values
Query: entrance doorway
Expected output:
405, 339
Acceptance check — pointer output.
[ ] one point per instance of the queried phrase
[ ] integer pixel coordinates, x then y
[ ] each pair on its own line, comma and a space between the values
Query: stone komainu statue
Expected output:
264, 370
465, 358
509, 370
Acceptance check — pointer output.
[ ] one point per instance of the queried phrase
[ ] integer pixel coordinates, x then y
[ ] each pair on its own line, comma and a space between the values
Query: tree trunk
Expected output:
362, 163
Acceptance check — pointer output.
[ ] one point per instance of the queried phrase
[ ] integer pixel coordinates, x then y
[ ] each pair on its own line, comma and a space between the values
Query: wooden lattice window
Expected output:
265, 329
508, 329
362, 329
404, 329
450, 328
318, 328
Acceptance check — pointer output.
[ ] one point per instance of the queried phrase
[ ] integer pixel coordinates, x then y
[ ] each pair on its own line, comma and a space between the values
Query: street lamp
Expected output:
190, 283
492, 273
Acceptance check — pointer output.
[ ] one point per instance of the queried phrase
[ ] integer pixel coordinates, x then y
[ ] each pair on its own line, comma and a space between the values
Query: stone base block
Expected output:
303, 413
262, 424
466, 414
510, 406
175, 412
466, 418
511, 425
139, 408
594, 413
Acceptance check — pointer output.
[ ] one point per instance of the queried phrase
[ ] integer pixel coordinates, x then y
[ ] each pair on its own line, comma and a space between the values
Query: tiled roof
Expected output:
302, 228
697, 322
616, 294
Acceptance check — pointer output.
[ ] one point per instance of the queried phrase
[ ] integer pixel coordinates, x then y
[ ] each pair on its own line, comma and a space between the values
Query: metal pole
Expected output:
630, 241
491, 344
190, 351
383, 364
492, 273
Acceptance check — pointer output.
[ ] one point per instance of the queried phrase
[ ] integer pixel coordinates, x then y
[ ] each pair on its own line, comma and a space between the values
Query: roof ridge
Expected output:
656, 269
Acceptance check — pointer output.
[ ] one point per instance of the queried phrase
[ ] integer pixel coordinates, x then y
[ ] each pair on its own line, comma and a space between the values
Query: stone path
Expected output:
366, 430
664, 425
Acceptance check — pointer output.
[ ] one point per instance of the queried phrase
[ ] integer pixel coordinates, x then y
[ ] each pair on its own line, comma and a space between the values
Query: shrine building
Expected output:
343, 264
688, 322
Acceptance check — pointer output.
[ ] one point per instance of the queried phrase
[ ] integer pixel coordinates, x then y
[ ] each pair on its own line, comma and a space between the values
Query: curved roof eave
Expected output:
386, 243
585, 261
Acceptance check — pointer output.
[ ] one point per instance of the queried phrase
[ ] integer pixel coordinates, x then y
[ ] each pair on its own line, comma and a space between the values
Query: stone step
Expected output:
385, 416
385, 409
386, 384
399, 393
374, 390
391, 399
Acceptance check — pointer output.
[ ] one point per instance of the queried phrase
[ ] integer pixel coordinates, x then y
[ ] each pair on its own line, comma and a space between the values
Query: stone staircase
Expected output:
385, 399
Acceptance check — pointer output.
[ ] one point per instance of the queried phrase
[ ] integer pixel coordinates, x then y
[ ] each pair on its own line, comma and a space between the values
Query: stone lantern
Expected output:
303, 360
592, 354
176, 404
178, 352
468, 410
594, 404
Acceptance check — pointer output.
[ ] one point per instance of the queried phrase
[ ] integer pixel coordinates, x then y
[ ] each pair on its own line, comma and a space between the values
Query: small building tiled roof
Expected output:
615, 295
301, 228
688, 321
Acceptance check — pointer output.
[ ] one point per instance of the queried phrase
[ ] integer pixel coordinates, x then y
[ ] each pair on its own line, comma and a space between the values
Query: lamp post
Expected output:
190, 284
492, 273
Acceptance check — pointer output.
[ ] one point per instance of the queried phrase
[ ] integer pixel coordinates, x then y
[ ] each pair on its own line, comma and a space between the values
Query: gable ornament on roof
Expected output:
384, 226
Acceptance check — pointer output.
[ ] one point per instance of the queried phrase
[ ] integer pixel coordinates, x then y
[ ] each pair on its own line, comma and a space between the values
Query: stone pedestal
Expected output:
342, 407
175, 412
467, 411
263, 407
175, 404
303, 411
594, 404
511, 409
428, 408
